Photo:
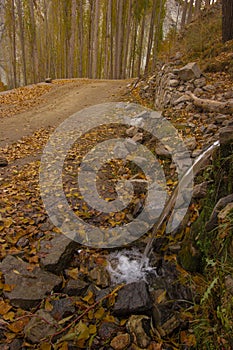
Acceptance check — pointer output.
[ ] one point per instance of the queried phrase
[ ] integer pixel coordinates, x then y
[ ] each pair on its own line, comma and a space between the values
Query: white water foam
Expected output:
128, 266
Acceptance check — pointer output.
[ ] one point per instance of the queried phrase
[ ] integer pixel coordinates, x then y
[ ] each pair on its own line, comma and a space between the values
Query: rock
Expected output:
132, 131
170, 325
107, 330
40, 327
22, 242
211, 128
48, 80
184, 98
3, 162
209, 88
16, 344
138, 137
62, 308
174, 82
139, 327
56, 253
213, 221
30, 287
188, 72
226, 135
220, 118
120, 342
189, 257
133, 298
198, 92
200, 190
199, 83
100, 276
191, 143
162, 151
229, 284
75, 287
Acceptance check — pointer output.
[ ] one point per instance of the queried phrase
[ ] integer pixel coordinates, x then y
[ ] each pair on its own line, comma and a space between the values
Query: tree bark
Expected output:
212, 106
227, 20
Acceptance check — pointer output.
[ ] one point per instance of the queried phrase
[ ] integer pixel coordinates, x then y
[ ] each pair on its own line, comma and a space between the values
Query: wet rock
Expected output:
30, 287
62, 308
120, 342
139, 327
40, 327
107, 330
200, 190
133, 298
56, 253
75, 287
3, 162
188, 72
199, 83
100, 276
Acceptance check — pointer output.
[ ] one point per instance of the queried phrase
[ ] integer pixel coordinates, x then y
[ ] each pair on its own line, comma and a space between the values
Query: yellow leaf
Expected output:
4, 307
73, 273
9, 316
48, 306
82, 331
19, 325
89, 297
92, 329
99, 313
109, 318
45, 346
64, 320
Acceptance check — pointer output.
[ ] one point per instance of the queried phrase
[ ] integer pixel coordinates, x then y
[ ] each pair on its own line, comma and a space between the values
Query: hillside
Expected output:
94, 288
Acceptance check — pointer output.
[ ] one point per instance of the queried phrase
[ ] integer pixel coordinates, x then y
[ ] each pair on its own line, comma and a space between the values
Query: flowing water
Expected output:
128, 266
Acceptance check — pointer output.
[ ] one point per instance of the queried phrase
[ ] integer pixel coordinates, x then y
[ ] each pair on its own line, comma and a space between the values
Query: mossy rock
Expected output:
190, 257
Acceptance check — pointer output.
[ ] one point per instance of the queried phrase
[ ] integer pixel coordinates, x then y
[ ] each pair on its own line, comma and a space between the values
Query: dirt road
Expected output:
58, 104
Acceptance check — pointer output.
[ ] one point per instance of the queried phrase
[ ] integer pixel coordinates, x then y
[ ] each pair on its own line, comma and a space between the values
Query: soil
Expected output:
58, 104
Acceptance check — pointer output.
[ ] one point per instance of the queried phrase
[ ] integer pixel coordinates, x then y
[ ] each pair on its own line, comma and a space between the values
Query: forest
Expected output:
111, 39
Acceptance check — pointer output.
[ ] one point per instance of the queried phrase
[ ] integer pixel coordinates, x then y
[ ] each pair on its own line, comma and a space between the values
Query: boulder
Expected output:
189, 72
39, 327
133, 298
56, 253
28, 287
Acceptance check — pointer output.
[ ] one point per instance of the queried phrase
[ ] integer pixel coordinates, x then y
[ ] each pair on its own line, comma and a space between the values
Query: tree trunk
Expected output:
80, 38
151, 35
184, 14
72, 40
95, 39
190, 12
22, 39
13, 43
127, 40
227, 20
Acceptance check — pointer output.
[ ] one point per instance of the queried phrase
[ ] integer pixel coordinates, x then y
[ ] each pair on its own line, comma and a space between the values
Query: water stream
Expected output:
131, 265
